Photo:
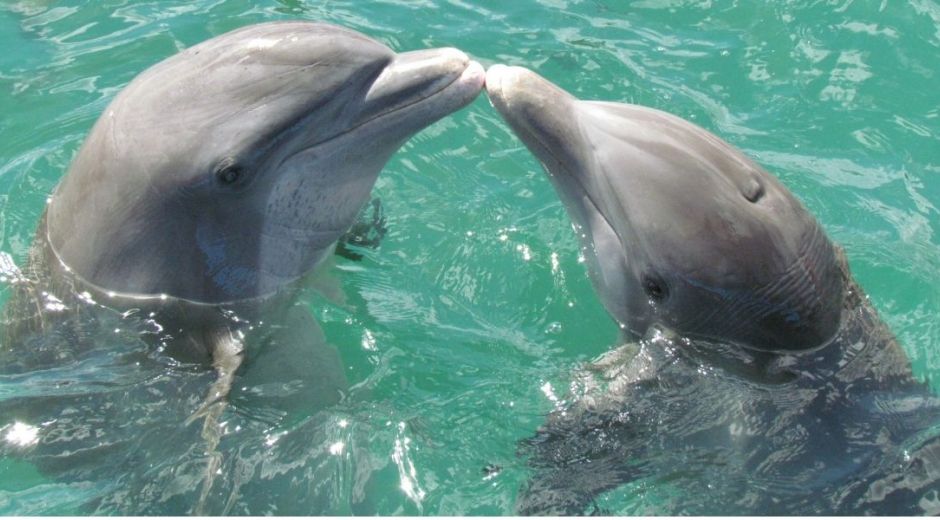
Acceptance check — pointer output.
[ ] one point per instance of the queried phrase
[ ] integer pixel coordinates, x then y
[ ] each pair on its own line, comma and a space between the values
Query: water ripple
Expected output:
476, 299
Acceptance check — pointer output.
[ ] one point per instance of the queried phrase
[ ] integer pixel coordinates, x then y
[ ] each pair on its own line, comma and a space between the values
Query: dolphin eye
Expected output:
229, 175
655, 288
228, 172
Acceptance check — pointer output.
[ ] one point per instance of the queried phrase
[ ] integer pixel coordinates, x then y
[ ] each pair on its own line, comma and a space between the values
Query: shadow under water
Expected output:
844, 429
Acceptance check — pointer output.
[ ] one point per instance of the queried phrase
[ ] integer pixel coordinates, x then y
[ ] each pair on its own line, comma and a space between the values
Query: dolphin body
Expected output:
198, 206
756, 377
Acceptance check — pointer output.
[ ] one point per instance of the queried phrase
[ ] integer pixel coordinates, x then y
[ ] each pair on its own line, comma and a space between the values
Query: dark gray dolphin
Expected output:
758, 376
216, 181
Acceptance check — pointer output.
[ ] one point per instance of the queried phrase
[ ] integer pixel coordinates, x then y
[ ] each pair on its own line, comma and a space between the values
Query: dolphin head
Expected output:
231, 168
680, 229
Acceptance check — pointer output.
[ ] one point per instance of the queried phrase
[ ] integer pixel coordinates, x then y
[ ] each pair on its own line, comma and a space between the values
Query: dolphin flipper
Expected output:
292, 371
228, 352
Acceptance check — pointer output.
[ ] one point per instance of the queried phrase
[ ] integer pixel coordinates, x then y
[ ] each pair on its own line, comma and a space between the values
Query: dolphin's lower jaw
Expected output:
419, 90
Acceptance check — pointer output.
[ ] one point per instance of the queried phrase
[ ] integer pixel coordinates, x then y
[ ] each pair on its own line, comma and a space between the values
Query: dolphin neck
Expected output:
182, 313
862, 349
59, 267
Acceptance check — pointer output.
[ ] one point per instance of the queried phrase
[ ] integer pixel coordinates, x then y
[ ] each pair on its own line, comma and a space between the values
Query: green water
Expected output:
462, 329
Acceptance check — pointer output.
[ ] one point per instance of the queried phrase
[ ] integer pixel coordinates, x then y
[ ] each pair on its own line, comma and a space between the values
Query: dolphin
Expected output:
755, 375
224, 175
213, 186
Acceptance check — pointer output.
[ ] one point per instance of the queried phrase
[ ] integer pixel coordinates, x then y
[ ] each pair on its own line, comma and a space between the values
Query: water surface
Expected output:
460, 332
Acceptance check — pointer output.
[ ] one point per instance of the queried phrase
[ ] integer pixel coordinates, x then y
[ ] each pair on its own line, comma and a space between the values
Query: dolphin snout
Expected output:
541, 114
499, 82
518, 89
446, 59
417, 75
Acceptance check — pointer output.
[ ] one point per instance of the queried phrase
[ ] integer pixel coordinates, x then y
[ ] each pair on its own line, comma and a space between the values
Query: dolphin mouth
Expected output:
524, 101
417, 76
430, 83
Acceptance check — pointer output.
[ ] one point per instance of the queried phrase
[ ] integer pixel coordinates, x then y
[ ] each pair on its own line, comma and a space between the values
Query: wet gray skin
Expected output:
681, 230
756, 378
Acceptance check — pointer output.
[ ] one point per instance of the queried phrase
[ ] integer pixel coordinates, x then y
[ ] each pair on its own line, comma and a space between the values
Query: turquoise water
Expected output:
460, 332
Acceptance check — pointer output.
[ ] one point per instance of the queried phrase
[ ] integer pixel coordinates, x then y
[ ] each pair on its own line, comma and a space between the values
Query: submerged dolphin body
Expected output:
208, 190
758, 379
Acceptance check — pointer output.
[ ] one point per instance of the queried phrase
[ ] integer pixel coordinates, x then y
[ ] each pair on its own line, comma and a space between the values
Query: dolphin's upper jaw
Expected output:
524, 98
418, 75
547, 119
413, 90
392, 97
419, 86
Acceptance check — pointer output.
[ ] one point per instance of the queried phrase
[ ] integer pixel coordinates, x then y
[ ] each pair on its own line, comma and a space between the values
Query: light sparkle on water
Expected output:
407, 472
22, 434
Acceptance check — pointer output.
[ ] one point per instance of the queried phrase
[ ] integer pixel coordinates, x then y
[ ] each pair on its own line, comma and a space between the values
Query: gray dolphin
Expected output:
756, 375
215, 183
225, 174
243, 159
